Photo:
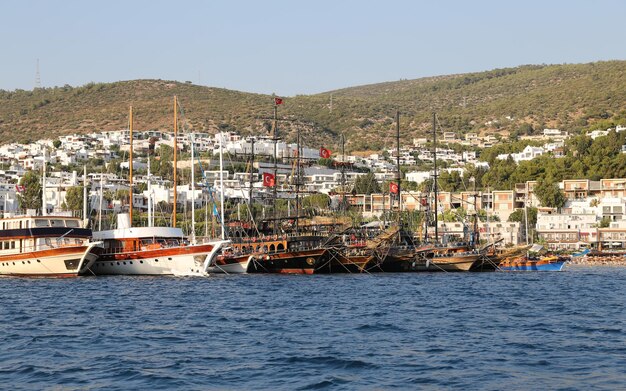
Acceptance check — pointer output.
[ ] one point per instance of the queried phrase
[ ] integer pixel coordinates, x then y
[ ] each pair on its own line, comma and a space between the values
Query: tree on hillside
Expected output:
518, 217
549, 194
73, 198
366, 184
30, 197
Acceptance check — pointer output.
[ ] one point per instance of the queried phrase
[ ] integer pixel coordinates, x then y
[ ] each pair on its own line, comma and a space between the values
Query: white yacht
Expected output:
49, 246
152, 251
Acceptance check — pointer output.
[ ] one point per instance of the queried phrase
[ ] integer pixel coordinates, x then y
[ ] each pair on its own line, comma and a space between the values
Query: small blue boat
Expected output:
550, 263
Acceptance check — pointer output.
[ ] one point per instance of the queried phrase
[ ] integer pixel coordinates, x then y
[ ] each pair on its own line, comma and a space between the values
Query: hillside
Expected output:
514, 101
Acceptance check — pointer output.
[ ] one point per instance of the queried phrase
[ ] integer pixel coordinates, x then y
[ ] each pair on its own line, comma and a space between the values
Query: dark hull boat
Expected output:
290, 262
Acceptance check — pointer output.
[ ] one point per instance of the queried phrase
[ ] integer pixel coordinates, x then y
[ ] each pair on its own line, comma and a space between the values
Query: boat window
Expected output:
56, 223
72, 223
6, 245
13, 245
41, 223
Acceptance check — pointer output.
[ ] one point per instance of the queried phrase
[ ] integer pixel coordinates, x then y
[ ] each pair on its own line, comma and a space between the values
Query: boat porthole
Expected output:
123, 263
28, 262
131, 262
310, 261
23, 263
111, 263
13, 263
156, 260
140, 261
169, 259
118, 263
38, 261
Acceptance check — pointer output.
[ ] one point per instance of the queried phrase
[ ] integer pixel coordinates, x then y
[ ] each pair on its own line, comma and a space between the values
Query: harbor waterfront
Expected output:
514, 331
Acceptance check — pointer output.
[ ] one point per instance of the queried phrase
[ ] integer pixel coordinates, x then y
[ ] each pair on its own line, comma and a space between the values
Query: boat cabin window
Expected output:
41, 223
72, 223
57, 223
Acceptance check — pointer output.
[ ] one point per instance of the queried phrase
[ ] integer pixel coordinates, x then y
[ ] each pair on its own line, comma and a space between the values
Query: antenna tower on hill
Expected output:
37, 77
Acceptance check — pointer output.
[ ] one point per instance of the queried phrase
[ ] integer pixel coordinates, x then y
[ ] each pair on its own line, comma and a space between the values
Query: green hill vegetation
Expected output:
509, 102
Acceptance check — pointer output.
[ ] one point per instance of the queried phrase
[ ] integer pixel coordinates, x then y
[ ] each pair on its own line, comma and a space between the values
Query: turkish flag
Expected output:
424, 201
393, 187
268, 179
278, 101
324, 153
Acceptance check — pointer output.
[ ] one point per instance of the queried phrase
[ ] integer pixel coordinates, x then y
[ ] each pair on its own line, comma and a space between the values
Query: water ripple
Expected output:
389, 331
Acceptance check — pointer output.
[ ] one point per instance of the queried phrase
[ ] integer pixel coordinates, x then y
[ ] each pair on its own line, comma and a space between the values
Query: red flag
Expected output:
393, 187
268, 180
278, 101
424, 201
324, 153
20, 188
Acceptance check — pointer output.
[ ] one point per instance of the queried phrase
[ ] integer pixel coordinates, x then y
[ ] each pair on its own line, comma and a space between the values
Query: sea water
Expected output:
520, 330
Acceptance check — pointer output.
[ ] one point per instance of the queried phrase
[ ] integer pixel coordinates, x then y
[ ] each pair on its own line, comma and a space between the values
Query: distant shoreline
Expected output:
598, 261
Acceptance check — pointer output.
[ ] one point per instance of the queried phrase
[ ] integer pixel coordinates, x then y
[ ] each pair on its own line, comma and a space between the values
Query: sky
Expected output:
295, 47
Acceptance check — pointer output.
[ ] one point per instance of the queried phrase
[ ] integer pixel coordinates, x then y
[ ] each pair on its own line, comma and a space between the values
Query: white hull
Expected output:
63, 262
233, 268
181, 264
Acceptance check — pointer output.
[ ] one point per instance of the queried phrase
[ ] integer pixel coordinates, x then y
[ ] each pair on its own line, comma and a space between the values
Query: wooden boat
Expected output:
45, 246
525, 263
450, 258
290, 262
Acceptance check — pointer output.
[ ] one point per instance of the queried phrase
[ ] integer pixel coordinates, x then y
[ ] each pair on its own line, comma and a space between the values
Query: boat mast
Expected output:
298, 182
193, 194
399, 175
222, 185
150, 223
343, 175
476, 238
275, 193
85, 196
435, 176
101, 197
130, 168
175, 160
43, 185
526, 213
252, 140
